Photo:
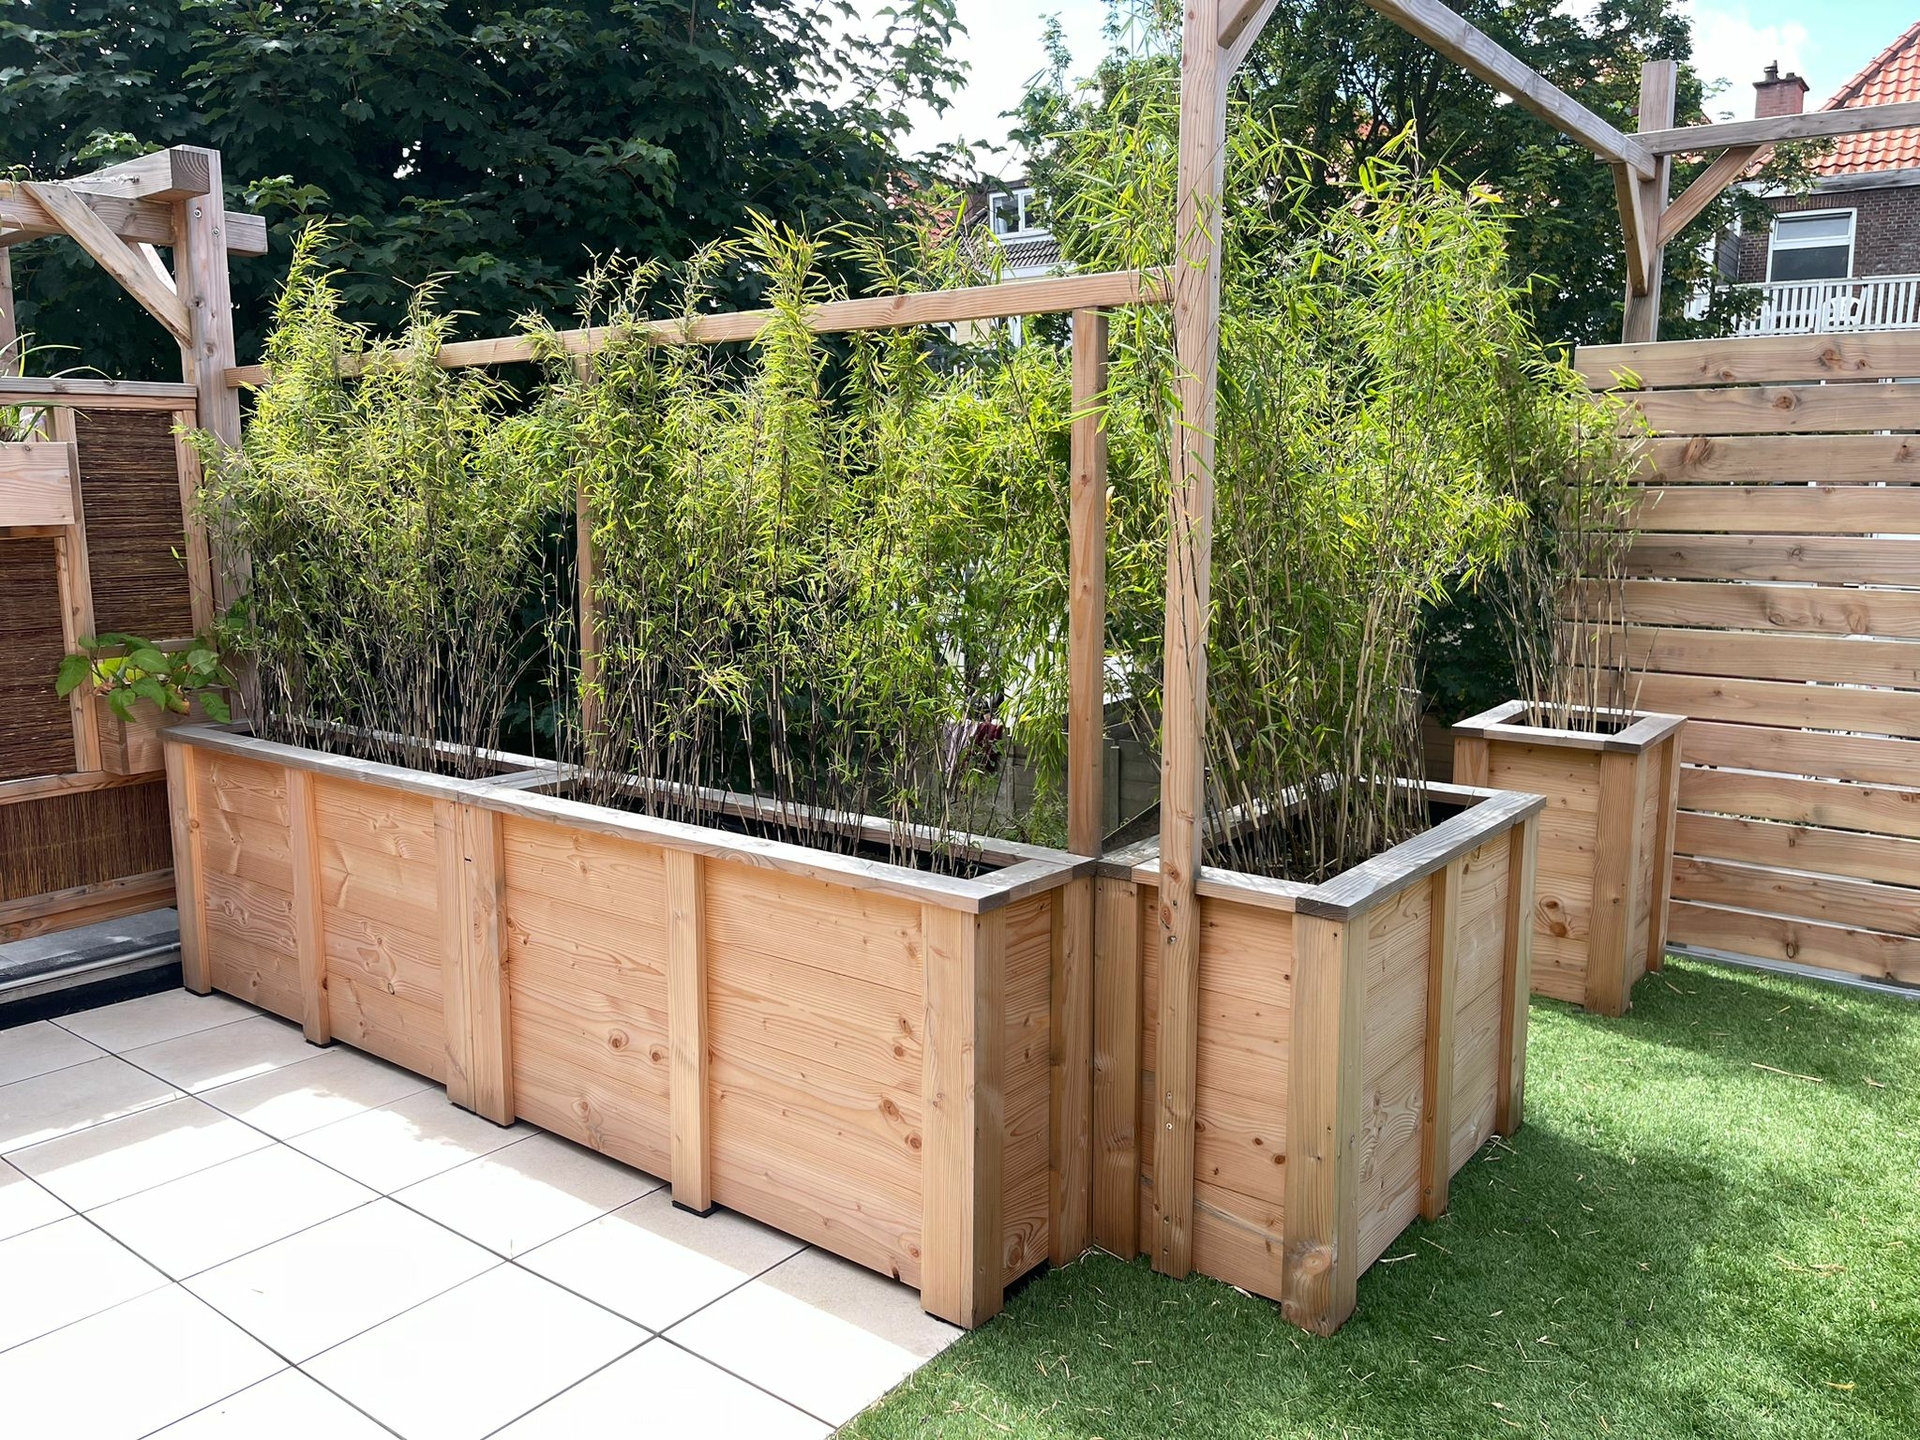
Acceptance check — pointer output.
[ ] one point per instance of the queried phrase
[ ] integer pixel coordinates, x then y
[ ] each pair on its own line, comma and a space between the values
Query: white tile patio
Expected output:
211, 1230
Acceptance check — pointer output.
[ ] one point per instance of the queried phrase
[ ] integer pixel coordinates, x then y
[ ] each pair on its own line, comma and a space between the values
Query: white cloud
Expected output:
1728, 46
1003, 48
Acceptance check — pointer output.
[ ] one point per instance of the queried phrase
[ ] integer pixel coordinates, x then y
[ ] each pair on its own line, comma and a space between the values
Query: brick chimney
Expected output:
1778, 94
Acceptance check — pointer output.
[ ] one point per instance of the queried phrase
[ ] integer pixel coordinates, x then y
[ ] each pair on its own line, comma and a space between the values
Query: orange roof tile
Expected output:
1890, 77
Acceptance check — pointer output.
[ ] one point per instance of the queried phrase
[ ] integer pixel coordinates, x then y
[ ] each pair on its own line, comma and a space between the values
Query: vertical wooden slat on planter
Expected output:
309, 932
1615, 869
1473, 761
1668, 780
1436, 1118
688, 1136
1070, 1039
182, 787
474, 971
960, 1243
1323, 1123
1516, 977
1116, 1069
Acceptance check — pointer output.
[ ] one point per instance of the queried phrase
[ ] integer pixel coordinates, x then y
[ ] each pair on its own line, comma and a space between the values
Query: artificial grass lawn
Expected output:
1679, 1242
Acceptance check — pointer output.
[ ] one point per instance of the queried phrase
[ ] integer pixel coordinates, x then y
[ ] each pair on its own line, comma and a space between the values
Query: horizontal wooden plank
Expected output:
1818, 560
1812, 609
1780, 702
1752, 459
1871, 953
141, 221
1048, 295
1830, 899
1835, 659
1833, 804
1875, 355
1783, 509
97, 394
1780, 409
1867, 759
1799, 847
1773, 129
36, 483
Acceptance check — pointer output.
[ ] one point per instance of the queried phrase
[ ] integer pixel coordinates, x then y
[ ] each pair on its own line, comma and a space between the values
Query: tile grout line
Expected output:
394, 1196
55, 1020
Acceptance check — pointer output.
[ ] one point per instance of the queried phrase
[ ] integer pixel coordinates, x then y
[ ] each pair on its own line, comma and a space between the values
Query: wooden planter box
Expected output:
1356, 1043
37, 483
859, 1053
132, 746
1606, 842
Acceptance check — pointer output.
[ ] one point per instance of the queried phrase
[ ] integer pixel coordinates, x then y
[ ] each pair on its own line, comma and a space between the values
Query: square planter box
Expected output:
859, 1053
132, 746
1357, 1042
1606, 841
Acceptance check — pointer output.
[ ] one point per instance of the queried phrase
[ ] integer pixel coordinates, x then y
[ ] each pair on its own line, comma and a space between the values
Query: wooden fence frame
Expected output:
121, 216
1775, 602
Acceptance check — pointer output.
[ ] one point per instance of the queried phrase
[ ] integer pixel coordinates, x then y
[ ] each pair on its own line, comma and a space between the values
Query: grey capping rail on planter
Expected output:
1509, 722
1025, 870
1366, 884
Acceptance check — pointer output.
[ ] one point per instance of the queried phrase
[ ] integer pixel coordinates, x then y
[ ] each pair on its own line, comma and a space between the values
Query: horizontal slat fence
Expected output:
1774, 599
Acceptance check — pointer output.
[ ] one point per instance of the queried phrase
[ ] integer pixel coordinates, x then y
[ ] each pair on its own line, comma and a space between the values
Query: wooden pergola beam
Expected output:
22, 217
1643, 204
125, 264
1728, 167
1475, 53
164, 175
1052, 295
1777, 129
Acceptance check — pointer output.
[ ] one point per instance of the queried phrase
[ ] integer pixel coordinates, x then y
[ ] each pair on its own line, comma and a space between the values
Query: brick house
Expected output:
1846, 255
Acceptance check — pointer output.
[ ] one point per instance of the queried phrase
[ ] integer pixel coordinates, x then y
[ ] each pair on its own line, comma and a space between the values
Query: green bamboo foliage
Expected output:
1389, 430
829, 574
385, 532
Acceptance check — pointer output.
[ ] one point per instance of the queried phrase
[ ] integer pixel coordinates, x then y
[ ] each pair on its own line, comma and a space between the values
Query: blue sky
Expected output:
1824, 40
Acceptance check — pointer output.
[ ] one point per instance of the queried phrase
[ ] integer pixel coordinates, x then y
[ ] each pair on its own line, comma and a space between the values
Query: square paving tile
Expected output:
72, 1099
64, 1272
225, 1053
406, 1141
170, 1355
137, 1152
36, 1049
209, 1217
153, 1018
310, 1291
465, 1363
334, 1085
657, 1265
528, 1193
822, 1333
24, 1205
289, 1406
660, 1392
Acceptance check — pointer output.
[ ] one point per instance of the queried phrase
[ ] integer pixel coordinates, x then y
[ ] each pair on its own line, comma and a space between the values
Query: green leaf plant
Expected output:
126, 670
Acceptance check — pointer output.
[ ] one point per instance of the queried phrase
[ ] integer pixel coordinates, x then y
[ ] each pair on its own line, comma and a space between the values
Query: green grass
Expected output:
1679, 1243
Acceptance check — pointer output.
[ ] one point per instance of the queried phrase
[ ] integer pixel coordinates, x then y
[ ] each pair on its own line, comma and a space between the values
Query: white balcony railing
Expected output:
1813, 307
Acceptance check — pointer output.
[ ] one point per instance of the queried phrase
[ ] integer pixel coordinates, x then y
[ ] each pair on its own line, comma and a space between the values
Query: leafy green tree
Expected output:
502, 143
1343, 82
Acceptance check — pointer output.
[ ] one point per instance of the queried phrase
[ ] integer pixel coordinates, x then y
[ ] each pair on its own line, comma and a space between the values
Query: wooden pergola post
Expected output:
1644, 203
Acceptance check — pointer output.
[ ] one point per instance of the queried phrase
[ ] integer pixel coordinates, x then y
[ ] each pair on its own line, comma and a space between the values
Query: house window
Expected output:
1015, 212
1813, 246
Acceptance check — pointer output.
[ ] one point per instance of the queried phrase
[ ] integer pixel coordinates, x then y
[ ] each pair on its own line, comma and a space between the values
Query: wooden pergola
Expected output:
1217, 36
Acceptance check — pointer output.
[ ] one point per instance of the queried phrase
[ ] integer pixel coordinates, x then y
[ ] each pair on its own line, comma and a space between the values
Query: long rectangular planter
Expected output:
886, 1062
1606, 841
1357, 1042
